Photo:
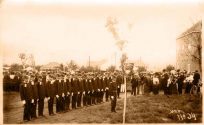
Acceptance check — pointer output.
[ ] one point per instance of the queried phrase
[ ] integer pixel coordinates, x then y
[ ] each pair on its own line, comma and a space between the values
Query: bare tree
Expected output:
111, 26
27, 60
120, 43
23, 58
31, 60
72, 65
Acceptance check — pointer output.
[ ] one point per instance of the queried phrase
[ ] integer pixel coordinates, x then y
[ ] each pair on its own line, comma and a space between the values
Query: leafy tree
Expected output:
169, 68
72, 65
83, 69
16, 67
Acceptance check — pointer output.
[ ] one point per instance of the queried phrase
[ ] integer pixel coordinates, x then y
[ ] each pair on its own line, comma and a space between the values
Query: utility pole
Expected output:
115, 60
89, 61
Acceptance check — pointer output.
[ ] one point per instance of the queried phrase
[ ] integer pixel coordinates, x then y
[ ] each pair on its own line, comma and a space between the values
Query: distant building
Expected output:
189, 49
50, 66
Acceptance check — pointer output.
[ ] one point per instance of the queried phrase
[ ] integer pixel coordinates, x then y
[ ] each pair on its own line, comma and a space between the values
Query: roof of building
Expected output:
51, 65
195, 28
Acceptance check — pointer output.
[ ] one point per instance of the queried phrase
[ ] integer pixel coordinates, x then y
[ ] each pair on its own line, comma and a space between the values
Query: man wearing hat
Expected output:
113, 93
103, 81
89, 93
180, 81
35, 97
95, 90
99, 87
59, 94
74, 91
119, 81
165, 78
50, 93
134, 83
66, 94
85, 93
107, 83
196, 79
41, 94
80, 91
26, 97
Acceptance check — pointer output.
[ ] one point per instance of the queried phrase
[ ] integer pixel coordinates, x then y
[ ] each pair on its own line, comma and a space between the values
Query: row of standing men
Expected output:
70, 92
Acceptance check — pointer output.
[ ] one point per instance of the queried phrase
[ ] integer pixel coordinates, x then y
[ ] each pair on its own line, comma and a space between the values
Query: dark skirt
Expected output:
155, 89
174, 89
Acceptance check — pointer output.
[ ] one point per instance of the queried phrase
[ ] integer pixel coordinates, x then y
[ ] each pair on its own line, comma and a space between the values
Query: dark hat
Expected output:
40, 77
32, 75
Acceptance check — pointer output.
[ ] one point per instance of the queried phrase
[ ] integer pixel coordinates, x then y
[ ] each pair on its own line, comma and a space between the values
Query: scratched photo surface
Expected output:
75, 62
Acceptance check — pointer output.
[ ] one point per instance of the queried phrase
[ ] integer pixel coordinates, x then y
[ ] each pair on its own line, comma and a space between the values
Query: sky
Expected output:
63, 31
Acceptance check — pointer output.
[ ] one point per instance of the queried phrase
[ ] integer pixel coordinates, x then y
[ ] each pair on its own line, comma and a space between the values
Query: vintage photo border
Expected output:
1, 71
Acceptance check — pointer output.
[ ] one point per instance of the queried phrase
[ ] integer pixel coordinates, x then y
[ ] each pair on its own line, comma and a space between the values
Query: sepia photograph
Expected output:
101, 62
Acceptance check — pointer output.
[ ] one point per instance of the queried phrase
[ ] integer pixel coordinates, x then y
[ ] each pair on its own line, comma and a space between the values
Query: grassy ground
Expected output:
140, 109
161, 109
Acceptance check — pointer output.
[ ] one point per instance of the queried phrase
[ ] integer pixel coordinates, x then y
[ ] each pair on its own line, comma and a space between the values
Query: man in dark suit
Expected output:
85, 93
109, 79
99, 87
64, 91
196, 78
90, 89
165, 81
74, 92
26, 97
134, 83
113, 94
41, 94
180, 81
103, 81
35, 97
67, 91
50, 93
94, 91
118, 82
59, 94
80, 91
6, 81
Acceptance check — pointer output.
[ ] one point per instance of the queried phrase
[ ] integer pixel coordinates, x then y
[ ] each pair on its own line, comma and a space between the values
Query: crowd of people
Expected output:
11, 81
69, 91
74, 90
178, 82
